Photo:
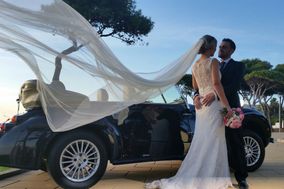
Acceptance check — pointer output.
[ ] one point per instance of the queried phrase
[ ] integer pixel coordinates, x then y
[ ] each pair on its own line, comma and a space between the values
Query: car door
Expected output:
152, 129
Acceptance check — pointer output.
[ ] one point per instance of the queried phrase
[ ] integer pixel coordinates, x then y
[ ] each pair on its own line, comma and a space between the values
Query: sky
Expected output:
256, 27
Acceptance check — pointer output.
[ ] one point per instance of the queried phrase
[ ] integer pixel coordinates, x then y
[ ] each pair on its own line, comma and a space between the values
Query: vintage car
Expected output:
159, 129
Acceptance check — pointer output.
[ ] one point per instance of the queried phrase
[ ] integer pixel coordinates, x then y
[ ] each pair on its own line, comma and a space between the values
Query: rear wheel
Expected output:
77, 160
254, 149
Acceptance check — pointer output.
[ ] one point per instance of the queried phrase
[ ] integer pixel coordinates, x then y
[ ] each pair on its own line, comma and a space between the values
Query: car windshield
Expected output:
170, 96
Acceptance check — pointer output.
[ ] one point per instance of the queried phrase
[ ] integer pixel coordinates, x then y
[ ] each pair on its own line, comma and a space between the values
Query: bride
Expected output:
206, 164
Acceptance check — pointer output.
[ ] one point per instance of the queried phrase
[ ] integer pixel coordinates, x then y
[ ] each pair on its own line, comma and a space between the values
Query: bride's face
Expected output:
213, 49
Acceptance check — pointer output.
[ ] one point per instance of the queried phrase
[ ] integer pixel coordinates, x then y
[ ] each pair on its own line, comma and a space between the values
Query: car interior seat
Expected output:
102, 95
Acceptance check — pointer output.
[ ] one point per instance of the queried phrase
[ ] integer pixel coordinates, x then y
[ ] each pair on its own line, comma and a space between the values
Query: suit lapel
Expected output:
228, 65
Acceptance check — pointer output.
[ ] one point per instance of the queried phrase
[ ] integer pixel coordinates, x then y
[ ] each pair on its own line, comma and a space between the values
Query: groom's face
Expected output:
225, 50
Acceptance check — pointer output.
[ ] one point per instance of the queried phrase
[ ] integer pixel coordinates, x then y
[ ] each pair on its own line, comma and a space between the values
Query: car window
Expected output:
170, 96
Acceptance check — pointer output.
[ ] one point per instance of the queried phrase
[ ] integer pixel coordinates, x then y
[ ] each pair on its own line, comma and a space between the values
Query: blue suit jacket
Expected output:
232, 76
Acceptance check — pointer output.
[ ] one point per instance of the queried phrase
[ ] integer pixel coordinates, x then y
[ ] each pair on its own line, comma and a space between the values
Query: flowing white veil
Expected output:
89, 82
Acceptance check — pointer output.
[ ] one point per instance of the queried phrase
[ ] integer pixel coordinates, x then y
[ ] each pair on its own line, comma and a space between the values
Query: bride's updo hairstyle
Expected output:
208, 41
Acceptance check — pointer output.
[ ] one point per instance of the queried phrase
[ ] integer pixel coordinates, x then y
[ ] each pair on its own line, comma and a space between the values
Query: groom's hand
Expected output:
208, 99
197, 102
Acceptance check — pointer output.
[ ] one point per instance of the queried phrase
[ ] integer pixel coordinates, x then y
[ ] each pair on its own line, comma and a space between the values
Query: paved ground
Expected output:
133, 176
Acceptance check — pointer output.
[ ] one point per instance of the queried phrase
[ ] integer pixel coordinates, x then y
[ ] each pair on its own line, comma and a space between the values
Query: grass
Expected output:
4, 168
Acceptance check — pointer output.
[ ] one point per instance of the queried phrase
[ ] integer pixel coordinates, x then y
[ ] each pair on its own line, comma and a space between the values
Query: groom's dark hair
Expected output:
231, 42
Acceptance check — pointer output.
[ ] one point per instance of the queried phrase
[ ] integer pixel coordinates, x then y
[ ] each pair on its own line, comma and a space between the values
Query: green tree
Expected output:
263, 85
280, 68
256, 64
117, 18
185, 85
252, 65
274, 110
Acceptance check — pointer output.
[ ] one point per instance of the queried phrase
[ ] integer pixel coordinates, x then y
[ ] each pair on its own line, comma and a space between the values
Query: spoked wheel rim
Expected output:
252, 150
79, 160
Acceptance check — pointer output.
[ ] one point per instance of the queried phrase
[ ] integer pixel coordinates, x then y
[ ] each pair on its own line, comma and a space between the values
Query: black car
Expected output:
151, 131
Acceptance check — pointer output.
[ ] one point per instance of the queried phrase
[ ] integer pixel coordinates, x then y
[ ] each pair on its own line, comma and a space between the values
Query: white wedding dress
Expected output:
206, 164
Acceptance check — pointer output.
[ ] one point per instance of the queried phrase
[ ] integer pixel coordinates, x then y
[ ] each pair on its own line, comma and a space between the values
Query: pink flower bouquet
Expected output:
2, 127
233, 118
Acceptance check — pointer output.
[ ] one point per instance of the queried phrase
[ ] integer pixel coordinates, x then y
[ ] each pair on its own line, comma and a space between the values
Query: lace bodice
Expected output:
202, 73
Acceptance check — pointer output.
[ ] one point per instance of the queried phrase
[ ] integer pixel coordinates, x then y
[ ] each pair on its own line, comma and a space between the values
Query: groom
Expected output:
232, 75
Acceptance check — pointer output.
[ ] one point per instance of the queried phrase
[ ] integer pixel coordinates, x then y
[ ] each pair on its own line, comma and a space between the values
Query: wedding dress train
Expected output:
206, 164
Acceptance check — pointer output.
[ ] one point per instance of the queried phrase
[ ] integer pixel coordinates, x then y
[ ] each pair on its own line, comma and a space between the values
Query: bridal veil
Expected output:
93, 82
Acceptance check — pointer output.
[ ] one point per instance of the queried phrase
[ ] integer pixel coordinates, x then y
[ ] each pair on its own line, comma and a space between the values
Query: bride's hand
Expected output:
230, 111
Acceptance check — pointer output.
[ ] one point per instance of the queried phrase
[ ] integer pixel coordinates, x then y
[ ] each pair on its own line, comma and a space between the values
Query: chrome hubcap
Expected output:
79, 160
252, 150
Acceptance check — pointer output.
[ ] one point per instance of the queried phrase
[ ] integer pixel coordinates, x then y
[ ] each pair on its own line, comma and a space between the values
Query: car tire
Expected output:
77, 160
254, 149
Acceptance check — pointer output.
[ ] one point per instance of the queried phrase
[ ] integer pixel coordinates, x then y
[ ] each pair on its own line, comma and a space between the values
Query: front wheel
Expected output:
254, 150
77, 160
